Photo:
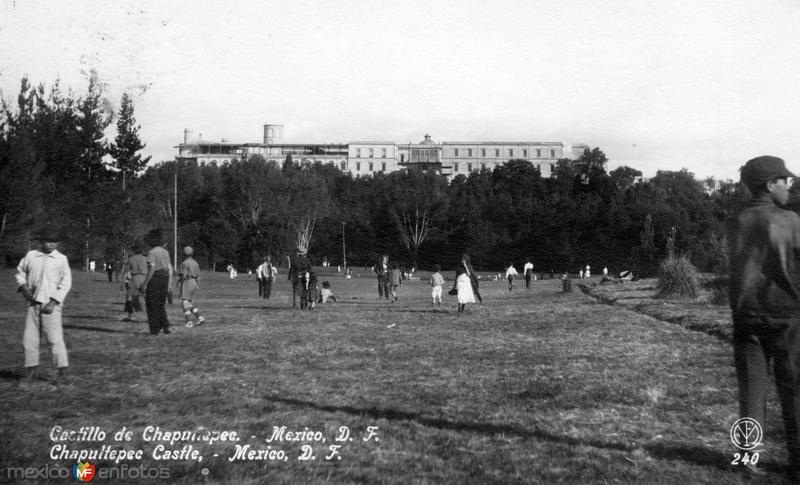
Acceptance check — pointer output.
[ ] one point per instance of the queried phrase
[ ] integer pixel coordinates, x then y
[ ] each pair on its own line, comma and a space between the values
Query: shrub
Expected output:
677, 277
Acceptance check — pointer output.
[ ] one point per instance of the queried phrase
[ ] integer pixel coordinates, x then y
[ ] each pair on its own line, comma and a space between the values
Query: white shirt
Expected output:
47, 275
511, 271
528, 266
263, 269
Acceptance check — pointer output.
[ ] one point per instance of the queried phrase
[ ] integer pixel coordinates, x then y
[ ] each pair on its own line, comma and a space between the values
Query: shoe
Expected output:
64, 376
167, 331
29, 378
189, 325
200, 321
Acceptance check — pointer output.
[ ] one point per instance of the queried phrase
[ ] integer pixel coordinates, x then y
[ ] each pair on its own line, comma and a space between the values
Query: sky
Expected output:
701, 85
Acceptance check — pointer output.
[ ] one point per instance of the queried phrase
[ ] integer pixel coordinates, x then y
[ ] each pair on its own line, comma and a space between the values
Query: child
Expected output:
437, 281
134, 277
311, 292
395, 280
187, 287
326, 293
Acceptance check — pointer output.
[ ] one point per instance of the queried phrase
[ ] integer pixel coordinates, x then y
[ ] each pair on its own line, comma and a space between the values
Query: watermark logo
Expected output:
746, 434
83, 472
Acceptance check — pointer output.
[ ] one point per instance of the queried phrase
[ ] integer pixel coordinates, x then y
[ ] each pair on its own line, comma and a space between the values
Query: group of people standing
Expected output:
151, 276
390, 277
465, 287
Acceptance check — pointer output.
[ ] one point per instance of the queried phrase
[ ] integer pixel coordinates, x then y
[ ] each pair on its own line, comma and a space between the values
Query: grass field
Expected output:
534, 386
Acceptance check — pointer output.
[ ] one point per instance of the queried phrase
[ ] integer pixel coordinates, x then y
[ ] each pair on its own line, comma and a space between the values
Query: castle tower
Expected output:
273, 134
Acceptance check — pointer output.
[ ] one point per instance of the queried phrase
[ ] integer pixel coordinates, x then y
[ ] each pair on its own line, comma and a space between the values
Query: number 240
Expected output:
746, 459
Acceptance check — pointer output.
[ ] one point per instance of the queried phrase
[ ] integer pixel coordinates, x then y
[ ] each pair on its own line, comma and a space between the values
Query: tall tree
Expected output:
127, 144
20, 170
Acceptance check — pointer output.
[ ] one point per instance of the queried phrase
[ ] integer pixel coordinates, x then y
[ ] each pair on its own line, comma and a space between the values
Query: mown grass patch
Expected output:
535, 386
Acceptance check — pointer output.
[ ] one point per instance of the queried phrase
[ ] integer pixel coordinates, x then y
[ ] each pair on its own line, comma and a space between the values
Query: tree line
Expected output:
57, 167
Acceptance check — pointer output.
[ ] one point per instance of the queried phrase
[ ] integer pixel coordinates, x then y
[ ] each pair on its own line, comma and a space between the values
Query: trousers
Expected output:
757, 342
50, 326
155, 301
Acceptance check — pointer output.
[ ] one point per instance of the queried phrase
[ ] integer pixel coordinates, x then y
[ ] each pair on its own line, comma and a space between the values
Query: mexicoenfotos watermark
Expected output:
90, 452
85, 472
747, 435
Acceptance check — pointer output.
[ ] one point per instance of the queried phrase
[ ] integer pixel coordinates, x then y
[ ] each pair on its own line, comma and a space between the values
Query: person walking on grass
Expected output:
436, 282
527, 271
134, 280
764, 255
44, 279
265, 276
299, 272
382, 271
473, 277
157, 285
188, 275
464, 288
511, 272
395, 280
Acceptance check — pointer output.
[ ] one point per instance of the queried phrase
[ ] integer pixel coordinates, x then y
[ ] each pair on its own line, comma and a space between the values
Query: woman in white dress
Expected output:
464, 288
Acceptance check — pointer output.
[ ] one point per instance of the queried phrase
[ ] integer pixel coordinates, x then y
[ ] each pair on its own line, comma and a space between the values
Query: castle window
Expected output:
469, 152
371, 153
510, 152
456, 152
358, 153
383, 152
371, 169
552, 154
383, 167
455, 167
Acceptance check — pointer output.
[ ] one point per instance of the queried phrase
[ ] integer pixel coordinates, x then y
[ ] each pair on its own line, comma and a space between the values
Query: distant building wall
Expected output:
365, 158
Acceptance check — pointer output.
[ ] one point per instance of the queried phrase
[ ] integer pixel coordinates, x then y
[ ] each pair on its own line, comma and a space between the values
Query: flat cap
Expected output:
763, 169
188, 251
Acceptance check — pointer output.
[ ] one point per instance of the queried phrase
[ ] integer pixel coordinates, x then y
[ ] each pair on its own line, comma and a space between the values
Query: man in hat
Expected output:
187, 288
765, 297
44, 279
157, 283
265, 275
382, 270
299, 273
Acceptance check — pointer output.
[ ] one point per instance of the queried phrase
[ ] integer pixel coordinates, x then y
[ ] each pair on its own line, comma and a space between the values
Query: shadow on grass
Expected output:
258, 307
411, 310
10, 375
668, 451
98, 329
90, 317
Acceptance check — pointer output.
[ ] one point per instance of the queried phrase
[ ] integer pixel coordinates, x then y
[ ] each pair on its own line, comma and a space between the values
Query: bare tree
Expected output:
414, 228
304, 228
